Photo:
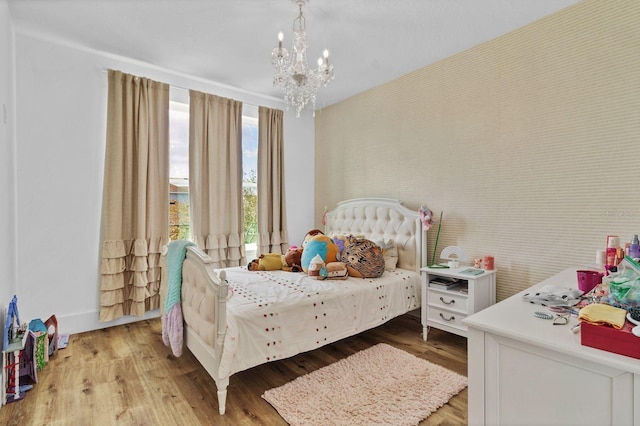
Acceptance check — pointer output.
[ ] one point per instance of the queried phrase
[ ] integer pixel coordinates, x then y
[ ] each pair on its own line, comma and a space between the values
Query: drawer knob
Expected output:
447, 319
451, 302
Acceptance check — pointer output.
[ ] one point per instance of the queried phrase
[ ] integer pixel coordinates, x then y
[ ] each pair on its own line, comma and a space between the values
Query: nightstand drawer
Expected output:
443, 316
448, 300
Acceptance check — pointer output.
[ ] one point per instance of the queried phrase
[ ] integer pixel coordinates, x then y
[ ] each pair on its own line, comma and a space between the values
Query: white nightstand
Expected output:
445, 308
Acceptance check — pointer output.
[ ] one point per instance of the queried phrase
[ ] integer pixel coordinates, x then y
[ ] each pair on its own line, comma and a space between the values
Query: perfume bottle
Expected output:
634, 248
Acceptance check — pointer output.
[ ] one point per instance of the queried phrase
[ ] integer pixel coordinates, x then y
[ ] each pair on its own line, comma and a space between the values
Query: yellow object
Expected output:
270, 262
600, 313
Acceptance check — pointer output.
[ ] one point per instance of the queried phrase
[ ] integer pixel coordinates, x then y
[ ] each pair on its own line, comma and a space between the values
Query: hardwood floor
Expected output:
125, 375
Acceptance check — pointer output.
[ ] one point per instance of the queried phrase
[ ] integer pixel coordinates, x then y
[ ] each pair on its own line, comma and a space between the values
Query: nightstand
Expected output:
449, 296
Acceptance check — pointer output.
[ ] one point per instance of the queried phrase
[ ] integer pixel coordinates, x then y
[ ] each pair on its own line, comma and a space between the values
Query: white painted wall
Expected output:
7, 162
61, 127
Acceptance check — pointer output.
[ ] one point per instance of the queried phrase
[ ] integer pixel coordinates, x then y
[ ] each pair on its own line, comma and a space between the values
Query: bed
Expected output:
235, 319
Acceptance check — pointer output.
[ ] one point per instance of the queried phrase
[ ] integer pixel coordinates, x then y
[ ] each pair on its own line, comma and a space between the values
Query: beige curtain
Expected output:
135, 211
215, 177
272, 217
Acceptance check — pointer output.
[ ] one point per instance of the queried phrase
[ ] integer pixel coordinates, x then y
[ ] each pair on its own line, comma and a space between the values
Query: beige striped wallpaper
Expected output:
529, 143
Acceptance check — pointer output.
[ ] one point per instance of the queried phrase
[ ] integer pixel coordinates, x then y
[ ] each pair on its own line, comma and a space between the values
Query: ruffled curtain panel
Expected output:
135, 210
215, 177
272, 217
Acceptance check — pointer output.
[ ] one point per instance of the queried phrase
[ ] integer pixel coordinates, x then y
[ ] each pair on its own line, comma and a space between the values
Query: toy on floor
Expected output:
15, 340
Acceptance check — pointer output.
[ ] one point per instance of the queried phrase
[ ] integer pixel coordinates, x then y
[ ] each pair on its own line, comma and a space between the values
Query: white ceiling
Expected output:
230, 41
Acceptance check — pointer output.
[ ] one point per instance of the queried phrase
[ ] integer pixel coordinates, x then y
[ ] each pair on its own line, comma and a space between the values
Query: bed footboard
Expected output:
204, 297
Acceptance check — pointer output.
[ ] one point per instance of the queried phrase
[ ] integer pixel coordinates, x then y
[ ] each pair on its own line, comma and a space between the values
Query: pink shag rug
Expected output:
381, 385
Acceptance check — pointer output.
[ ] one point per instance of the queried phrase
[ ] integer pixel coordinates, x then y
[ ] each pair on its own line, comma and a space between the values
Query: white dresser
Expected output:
526, 371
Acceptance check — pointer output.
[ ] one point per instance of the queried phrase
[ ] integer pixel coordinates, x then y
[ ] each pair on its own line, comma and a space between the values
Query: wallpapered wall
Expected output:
529, 143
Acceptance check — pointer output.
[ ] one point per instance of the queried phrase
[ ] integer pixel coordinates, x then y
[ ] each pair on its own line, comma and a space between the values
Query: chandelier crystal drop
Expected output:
299, 81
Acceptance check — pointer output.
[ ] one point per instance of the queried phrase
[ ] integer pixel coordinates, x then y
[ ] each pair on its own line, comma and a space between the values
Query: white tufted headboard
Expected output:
378, 219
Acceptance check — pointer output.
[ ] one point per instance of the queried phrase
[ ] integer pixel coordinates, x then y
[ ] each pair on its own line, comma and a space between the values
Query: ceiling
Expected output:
230, 41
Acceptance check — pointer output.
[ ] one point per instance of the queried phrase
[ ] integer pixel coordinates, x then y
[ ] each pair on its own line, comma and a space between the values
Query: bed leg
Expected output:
222, 394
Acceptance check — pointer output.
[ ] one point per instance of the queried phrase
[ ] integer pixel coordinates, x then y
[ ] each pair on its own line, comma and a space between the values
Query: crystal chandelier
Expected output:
299, 81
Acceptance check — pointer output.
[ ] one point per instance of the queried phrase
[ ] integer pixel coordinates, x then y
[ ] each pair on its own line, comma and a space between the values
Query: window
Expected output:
179, 170
250, 178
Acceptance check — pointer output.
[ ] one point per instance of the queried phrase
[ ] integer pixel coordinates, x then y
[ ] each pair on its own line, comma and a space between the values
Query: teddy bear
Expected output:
293, 259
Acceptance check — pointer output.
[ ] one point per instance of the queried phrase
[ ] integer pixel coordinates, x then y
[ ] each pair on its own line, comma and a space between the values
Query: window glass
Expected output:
250, 180
178, 171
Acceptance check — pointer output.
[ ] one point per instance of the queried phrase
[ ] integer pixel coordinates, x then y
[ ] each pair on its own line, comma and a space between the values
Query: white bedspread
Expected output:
275, 315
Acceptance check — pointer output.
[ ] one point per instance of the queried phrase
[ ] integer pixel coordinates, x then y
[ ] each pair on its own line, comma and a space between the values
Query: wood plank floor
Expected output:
125, 375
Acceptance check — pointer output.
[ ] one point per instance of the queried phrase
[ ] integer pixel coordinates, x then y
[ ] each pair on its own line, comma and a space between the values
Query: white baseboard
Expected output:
89, 321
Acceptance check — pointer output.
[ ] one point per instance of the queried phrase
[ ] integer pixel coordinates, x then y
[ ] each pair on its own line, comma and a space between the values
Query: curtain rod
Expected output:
106, 70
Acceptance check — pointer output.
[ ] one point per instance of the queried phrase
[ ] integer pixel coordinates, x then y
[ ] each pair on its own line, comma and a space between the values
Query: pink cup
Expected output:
587, 280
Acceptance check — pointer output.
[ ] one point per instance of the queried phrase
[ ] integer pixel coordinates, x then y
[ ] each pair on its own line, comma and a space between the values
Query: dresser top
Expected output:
513, 318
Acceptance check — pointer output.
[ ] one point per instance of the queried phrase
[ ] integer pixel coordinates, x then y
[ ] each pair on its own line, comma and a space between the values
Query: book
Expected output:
472, 271
443, 286
443, 282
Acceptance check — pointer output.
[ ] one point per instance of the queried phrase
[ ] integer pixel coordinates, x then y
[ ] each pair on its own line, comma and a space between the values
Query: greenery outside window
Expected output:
179, 171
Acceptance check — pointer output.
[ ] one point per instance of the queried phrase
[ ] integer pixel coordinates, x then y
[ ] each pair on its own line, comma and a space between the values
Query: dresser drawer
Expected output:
446, 317
451, 301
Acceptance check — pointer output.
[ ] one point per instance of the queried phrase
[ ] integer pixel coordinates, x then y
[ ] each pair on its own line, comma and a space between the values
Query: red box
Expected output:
609, 339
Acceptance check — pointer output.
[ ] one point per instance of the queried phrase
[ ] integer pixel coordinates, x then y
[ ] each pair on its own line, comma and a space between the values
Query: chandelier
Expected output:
299, 81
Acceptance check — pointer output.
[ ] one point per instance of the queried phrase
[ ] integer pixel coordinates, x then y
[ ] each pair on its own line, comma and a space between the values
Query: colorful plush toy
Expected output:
316, 269
341, 242
336, 271
322, 245
310, 235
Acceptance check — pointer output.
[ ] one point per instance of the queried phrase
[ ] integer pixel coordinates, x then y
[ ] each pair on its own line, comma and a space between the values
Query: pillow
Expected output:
363, 258
390, 254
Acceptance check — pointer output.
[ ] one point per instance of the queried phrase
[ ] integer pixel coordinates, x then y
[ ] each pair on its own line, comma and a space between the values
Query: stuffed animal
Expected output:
316, 268
363, 258
293, 260
322, 245
336, 271
341, 242
290, 262
310, 235
266, 262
